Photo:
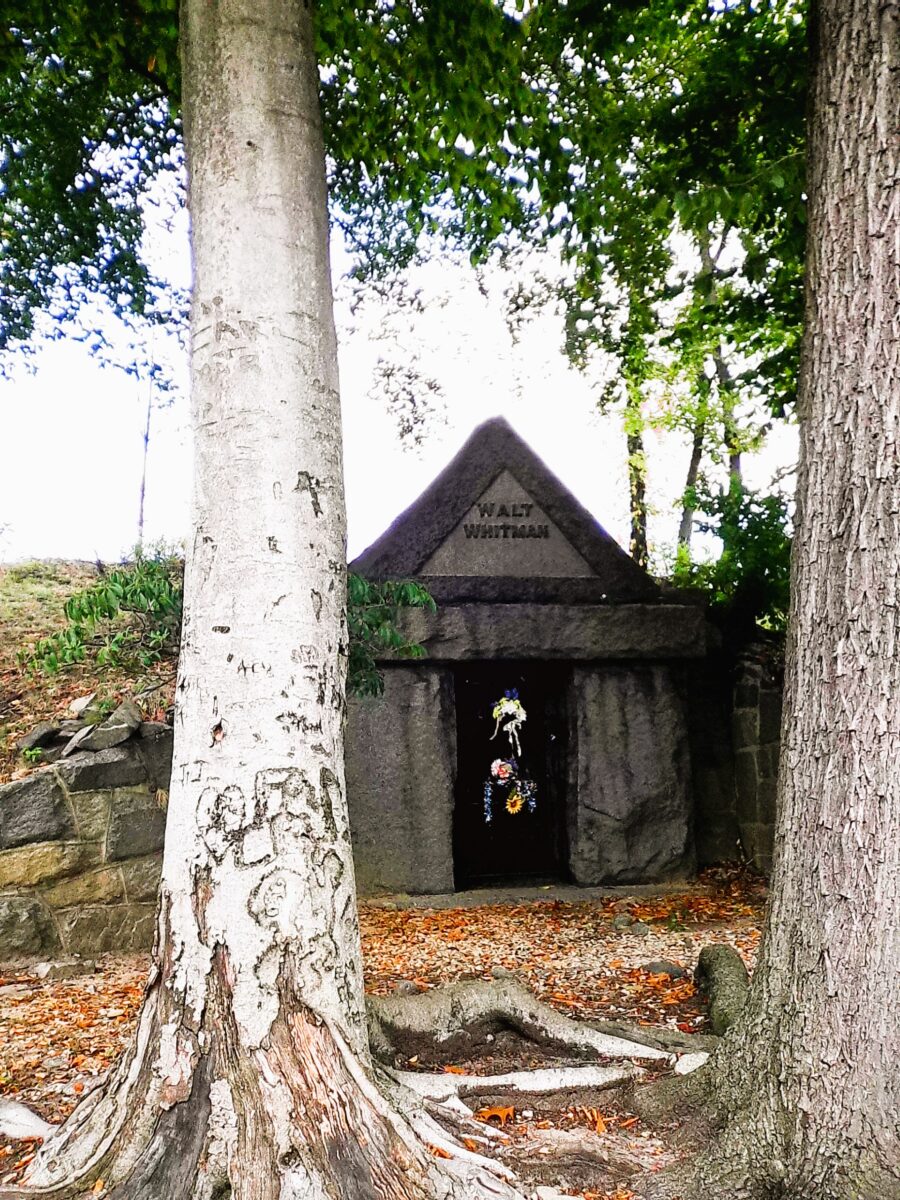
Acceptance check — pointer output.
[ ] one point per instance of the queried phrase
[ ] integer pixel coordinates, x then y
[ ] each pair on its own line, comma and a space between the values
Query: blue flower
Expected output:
488, 799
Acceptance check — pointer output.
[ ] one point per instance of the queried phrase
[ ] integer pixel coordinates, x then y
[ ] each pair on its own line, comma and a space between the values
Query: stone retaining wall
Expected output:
709, 691
80, 850
756, 740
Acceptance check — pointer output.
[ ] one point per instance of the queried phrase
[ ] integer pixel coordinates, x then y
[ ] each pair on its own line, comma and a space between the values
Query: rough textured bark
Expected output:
248, 1074
722, 976
808, 1076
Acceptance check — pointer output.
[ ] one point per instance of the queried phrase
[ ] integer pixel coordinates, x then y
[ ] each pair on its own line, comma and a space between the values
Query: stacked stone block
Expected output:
80, 850
756, 734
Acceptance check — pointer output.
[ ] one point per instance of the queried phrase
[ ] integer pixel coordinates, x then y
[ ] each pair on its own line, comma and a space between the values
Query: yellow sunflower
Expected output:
514, 803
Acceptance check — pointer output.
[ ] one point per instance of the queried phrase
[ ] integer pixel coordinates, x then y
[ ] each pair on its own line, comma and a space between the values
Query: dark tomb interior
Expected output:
514, 846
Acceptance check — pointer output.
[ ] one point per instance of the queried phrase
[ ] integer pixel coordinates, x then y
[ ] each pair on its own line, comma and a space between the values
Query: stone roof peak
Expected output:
497, 524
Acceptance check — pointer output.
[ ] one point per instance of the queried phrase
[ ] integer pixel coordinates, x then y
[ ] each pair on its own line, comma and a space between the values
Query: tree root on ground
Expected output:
670, 1096
519, 1084
450, 1153
17, 1122
453, 1017
568, 1158
672, 1041
722, 976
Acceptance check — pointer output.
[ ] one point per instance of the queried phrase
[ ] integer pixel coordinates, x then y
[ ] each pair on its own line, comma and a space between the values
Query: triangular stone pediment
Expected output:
497, 524
506, 532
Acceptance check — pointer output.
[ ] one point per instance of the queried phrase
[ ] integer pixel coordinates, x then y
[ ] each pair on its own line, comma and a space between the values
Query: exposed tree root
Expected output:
452, 1017
17, 1121
178, 1123
187, 1114
521, 1084
671, 1096
672, 1041
721, 974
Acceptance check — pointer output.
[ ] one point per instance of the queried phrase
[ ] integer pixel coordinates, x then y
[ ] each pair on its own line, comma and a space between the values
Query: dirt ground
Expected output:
57, 1040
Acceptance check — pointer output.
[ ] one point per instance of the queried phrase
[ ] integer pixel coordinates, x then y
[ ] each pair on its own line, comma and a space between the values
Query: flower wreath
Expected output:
509, 715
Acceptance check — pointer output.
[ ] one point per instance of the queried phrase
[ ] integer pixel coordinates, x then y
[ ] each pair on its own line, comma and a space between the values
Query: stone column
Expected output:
630, 814
401, 773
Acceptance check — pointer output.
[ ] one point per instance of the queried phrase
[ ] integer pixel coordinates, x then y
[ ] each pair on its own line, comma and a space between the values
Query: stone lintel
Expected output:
535, 589
457, 632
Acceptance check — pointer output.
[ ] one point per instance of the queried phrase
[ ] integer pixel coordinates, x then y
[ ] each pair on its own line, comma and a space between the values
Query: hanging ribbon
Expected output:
509, 716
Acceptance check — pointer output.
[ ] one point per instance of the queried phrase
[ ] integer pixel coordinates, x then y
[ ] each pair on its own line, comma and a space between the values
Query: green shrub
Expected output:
131, 617
750, 580
372, 613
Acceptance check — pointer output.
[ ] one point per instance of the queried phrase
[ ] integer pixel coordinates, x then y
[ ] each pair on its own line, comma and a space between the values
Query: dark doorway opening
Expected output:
521, 846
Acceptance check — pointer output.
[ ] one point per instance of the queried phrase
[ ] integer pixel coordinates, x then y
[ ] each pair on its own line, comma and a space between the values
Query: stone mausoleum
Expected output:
571, 722
546, 734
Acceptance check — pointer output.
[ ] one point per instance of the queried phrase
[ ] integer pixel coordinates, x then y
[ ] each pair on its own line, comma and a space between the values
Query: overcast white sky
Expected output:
71, 442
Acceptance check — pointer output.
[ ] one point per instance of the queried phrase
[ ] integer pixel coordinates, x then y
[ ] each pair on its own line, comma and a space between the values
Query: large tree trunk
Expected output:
248, 1076
809, 1075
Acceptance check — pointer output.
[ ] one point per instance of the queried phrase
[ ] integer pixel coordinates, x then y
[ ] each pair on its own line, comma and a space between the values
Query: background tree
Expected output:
679, 205
605, 130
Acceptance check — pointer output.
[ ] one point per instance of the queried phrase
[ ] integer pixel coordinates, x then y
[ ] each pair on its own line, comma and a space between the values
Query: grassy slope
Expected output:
32, 596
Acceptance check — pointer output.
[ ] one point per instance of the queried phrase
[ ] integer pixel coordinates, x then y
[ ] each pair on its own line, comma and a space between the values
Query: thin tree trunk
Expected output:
809, 1075
686, 527
729, 422
248, 1077
709, 265
637, 476
144, 457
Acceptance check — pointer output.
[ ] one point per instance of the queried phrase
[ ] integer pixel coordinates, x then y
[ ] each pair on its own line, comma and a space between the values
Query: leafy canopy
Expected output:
619, 131
605, 124
749, 583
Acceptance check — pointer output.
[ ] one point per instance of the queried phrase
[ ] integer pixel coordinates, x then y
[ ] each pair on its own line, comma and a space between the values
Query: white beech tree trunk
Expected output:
809, 1077
249, 1073
257, 864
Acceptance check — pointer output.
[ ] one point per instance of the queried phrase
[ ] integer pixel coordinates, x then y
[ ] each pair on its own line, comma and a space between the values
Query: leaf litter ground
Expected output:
58, 1039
